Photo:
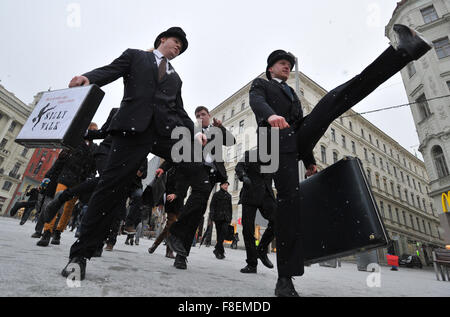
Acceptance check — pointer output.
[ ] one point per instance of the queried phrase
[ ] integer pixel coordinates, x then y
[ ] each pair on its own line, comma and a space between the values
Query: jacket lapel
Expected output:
278, 85
153, 64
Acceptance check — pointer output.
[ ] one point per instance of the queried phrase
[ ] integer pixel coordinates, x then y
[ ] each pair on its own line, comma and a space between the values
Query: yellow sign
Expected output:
445, 197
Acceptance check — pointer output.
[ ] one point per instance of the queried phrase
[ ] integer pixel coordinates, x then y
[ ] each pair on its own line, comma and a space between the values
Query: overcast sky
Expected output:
47, 42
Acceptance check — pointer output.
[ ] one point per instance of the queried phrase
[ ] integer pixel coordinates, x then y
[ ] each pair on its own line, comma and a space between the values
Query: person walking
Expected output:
152, 107
256, 194
221, 211
276, 105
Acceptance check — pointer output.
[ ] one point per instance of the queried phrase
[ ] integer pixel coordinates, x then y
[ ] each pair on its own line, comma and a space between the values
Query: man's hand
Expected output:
139, 173
311, 170
159, 172
79, 81
217, 123
278, 122
171, 197
201, 138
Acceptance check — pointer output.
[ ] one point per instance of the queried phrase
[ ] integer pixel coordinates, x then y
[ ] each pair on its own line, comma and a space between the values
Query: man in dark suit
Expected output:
151, 108
221, 212
202, 176
256, 193
276, 105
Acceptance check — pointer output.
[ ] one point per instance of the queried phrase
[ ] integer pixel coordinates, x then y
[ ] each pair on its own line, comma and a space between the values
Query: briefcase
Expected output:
339, 215
61, 118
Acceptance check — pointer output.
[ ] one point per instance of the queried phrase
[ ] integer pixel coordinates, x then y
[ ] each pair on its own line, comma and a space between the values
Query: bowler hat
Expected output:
225, 182
173, 32
277, 55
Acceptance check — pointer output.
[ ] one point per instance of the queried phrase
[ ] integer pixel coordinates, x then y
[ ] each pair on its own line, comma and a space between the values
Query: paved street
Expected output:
29, 270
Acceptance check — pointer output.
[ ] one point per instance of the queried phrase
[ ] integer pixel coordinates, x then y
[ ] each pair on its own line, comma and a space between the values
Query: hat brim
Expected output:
172, 34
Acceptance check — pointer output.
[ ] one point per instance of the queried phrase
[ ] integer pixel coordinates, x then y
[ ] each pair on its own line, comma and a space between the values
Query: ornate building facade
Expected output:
427, 85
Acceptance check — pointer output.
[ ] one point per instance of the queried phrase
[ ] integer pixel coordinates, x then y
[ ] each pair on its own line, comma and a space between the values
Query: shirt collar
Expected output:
278, 80
158, 54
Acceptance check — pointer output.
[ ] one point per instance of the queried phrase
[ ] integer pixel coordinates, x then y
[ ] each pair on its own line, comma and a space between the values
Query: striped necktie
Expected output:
162, 69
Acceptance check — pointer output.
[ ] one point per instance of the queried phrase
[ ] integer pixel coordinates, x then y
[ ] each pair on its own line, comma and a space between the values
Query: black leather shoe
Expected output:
249, 269
262, 255
36, 235
219, 255
45, 239
56, 237
180, 262
285, 288
176, 245
71, 267
411, 42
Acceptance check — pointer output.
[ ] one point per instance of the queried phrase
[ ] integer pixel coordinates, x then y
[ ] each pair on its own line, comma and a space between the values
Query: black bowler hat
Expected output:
173, 32
277, 55
225, 182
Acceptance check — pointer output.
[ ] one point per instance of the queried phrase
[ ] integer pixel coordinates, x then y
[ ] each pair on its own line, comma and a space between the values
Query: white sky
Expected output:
47, 42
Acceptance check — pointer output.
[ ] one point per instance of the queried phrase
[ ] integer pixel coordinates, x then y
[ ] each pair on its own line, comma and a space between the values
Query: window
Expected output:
418, 201
7, 186
378, 143
323, 153
384, 148
16, 168
390, 212
232, 112
412, 221
333, 135
420, 188
442, 47
370, 138
409, 182
403, 178
3, 143
418, 224
353, 147
24, 152
242, 105
424, 205
369, 177
395, 171
12, 126
448, 85
374, 161
377, 180
362, 134
223, 118
414, 184
406, 196
392, 154
350, 125
439, 161
399, 192
388, 168
412, 200
335, 157
404, 217
397, 215
366, 155
382, 209
429, 14
381, 163
241, 126
385, 185
392, 189
344, 142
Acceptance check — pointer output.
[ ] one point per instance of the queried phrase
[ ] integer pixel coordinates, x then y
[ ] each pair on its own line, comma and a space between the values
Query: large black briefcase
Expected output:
339, 214
61, 117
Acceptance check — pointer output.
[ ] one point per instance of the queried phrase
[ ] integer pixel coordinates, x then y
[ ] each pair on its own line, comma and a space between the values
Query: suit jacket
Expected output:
268, 98
220, 208
261, 185
145, 100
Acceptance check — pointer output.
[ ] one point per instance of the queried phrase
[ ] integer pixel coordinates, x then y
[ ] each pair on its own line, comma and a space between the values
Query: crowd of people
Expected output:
150, 111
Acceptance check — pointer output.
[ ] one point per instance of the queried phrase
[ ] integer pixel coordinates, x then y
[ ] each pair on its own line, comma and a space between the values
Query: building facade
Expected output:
398, 178
427, 85
13, 157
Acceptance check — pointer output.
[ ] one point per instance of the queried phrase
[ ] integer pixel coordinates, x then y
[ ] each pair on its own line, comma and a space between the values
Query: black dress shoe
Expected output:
176, 245
411, 42
71, 267
262, 255
180, 262
219, 255
36, 235
249, 269
285, 288
56, 239
45, 239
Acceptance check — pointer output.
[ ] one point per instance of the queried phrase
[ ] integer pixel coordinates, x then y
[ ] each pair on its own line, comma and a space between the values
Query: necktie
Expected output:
287, 90
162, 68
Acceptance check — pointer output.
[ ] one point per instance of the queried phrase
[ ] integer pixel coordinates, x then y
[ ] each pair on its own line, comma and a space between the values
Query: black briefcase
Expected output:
339, 214
61, 118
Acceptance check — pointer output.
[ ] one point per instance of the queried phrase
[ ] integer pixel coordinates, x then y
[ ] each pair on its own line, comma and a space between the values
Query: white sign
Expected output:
53, 114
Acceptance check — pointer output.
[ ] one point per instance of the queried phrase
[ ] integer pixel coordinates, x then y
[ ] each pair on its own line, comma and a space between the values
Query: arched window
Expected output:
439, 161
